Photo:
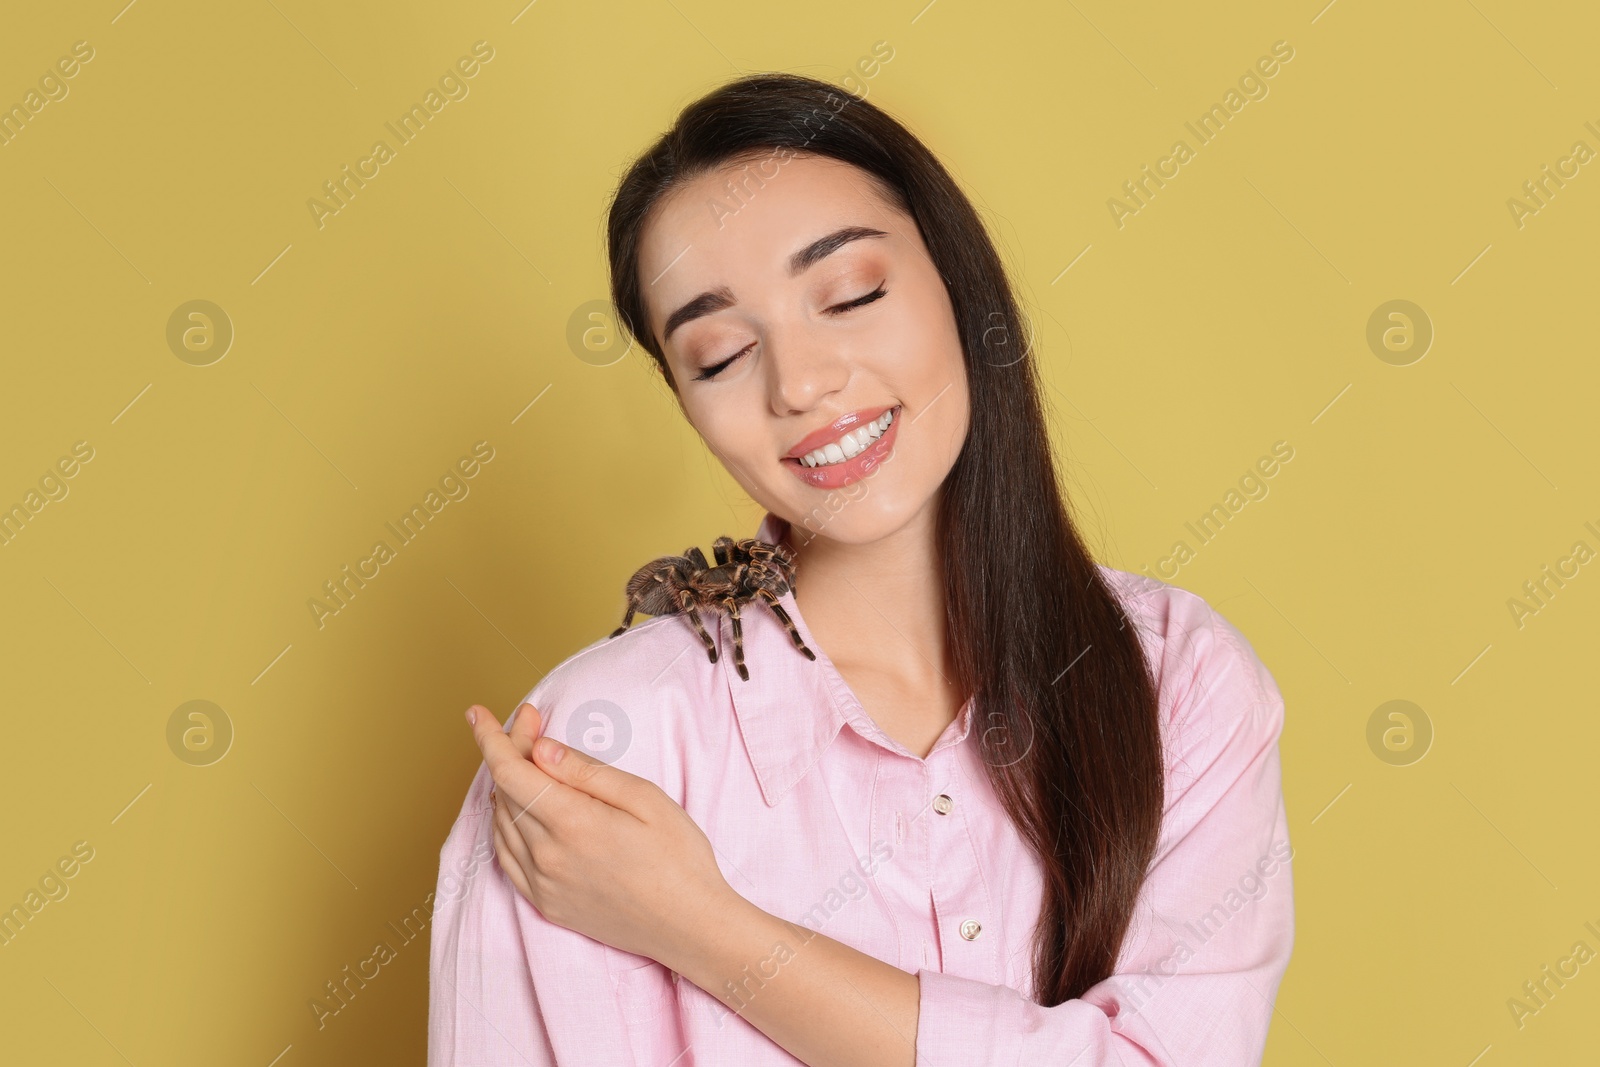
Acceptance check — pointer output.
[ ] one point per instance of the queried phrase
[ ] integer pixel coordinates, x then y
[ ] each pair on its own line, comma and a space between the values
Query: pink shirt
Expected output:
820, 818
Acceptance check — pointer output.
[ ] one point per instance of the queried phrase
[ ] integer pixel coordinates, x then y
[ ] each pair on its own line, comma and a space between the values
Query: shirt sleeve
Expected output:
1213, 929
508, 987
482, 1004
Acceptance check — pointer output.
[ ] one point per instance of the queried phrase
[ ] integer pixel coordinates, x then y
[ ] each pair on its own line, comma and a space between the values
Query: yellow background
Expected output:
369, 354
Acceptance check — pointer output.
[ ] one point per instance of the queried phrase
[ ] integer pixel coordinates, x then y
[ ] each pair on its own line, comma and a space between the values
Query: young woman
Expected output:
989, 802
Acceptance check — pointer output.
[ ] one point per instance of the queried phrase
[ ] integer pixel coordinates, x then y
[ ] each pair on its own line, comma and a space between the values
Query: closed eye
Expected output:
837, 309
876, 294
716, 369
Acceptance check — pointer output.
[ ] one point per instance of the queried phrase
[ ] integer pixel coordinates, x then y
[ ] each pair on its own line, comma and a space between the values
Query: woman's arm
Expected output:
828, 1004
507, 986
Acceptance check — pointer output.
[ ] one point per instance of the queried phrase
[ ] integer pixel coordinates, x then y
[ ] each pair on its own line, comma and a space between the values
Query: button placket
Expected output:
962, 895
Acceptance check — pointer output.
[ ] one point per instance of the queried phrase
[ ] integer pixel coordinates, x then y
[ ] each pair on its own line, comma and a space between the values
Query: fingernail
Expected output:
551, 751
472, 716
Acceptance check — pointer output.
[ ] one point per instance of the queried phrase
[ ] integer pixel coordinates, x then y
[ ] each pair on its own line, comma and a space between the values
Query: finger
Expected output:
527, 788
508, 863
516, 842
570, 767
501, 755
515, 821
525, 724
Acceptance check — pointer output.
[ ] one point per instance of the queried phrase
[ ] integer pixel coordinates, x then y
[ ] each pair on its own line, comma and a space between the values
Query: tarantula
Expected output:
746, 570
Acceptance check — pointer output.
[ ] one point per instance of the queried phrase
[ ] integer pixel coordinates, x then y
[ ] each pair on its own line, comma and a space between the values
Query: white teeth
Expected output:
851, 444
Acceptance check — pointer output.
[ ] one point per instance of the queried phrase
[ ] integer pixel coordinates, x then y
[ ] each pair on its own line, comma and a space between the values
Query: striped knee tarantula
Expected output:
746, 570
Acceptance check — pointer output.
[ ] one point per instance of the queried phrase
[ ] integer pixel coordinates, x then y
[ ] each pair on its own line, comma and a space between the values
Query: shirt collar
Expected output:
792, 708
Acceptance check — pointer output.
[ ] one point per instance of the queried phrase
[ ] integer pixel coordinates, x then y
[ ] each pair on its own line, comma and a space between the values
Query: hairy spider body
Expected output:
746, 570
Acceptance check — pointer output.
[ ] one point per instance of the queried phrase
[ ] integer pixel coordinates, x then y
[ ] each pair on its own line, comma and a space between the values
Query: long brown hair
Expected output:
1064, 705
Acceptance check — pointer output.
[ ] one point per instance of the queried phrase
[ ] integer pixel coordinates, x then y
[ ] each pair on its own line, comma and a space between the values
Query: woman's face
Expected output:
771, 361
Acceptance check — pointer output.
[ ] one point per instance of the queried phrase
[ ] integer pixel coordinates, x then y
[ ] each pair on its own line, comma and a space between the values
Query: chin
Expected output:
856, 514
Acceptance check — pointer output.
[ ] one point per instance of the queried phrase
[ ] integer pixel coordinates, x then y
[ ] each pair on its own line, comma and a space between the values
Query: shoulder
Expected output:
1213, 688
624, 699
633, 660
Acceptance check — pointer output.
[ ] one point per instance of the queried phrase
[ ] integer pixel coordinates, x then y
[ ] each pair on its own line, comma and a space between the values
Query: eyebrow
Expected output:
721, 298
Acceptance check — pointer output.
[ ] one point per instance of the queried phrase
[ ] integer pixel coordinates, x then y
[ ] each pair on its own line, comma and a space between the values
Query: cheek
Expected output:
944, 425
729, 434
940, 388
929, 359
922, 333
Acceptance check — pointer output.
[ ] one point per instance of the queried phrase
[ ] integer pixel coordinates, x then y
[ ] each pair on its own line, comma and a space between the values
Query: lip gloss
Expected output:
858, 466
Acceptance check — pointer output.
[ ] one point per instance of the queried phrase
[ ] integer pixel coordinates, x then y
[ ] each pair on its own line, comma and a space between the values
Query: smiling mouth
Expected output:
850, 444
874, 444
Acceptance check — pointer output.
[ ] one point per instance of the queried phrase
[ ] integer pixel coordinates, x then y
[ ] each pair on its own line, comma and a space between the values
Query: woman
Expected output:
1015, 807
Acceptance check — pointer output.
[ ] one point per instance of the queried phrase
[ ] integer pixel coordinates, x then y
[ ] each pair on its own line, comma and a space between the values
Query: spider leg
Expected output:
627, 620
738, 638
686, 606
720, 547
783, 617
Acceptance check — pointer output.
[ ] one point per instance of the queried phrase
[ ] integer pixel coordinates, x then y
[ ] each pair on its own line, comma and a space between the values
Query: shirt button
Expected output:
969, 929
942, 804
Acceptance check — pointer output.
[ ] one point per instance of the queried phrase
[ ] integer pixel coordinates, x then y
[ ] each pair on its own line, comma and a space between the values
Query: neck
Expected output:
881, 603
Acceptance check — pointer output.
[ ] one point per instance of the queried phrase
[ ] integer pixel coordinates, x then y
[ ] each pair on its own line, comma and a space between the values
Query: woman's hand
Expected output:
594, 848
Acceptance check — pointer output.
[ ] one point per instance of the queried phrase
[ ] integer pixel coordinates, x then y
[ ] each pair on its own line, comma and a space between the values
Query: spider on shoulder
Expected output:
746, 570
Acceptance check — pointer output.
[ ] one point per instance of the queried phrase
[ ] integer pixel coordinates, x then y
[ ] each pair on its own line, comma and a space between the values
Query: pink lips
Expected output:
857, 466
834, 430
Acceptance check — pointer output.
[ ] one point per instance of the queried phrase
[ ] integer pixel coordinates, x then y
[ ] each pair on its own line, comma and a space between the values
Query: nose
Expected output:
804, 370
